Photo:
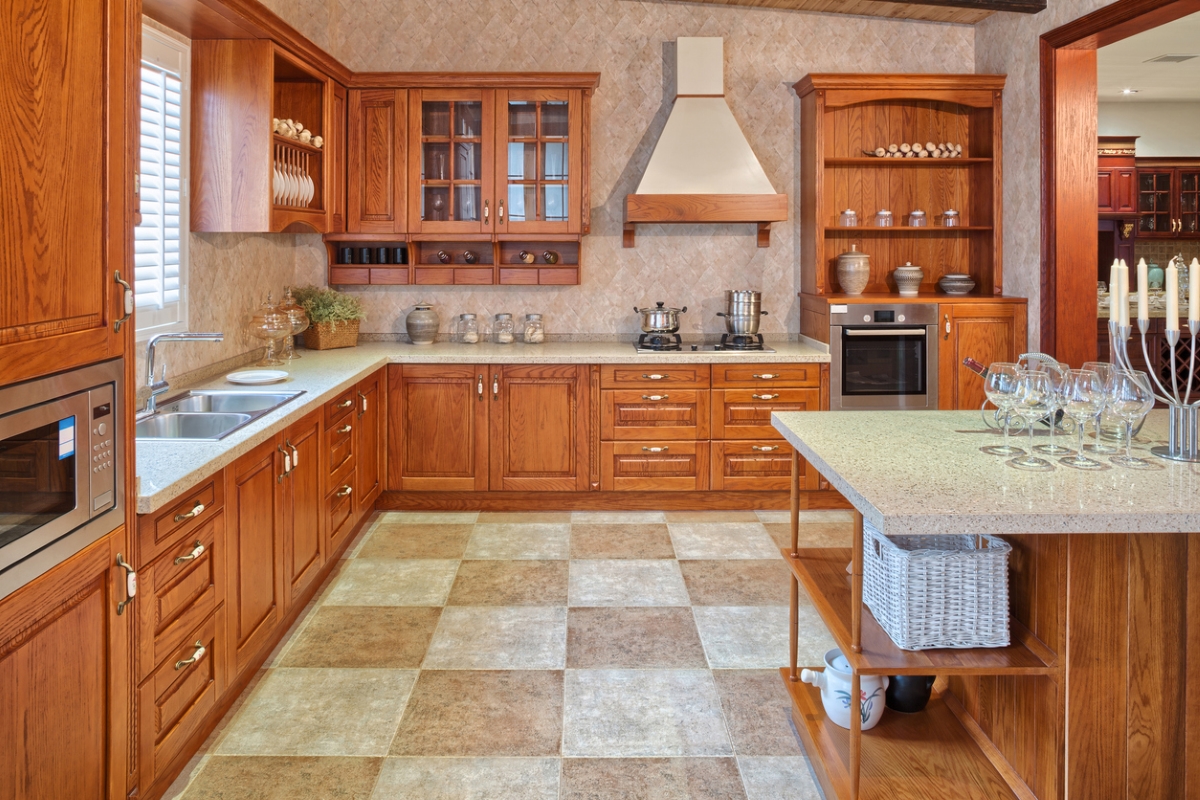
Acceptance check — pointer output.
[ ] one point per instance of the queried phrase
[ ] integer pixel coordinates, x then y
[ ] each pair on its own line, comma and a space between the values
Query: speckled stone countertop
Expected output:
167, 469
921, 472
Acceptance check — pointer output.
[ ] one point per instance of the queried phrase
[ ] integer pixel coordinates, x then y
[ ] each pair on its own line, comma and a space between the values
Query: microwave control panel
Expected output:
101, 435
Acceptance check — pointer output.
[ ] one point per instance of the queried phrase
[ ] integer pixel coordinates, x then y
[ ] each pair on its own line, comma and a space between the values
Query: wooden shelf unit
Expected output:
843, 115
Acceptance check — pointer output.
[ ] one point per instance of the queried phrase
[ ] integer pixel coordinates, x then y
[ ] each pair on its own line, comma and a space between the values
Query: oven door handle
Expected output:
886, 332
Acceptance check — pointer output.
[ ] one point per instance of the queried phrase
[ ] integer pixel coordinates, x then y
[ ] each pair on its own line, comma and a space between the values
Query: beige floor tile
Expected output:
504, 637
745, 637
361, 537
694, 540
737, 583
626, 540
501, 713
364, 636
835, 516
401, 540
320, 712
511, 541
629, 713
468, 779
758, 712
651, 778
510, 583
627, 583
524, 517
284, 778
429, 517
711, 516
778, 778
392, 582
617, 517
812, 534
641, 638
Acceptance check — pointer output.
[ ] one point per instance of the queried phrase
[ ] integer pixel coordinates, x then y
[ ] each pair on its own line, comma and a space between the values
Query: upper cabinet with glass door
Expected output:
451, 166
540, 173
1168, 198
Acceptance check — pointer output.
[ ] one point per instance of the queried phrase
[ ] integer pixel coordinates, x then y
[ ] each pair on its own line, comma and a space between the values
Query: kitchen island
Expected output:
1095, 697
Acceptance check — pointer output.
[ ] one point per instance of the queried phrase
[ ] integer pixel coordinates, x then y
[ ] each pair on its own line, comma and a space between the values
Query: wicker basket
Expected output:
937, 591
331, 335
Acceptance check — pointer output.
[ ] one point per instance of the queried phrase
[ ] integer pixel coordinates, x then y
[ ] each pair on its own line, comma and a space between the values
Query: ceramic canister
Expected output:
853, 270
908, 279
834, 683
422, 324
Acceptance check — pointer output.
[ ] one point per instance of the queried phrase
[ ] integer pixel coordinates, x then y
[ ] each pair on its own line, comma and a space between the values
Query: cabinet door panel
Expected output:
369, 442
986, 332
653, 466
539, 438
340, 509
451, 161
746, 413
438, 420
755, 466
303, 488
335, 146
376, 164
1105, 194
539, 160
654, 414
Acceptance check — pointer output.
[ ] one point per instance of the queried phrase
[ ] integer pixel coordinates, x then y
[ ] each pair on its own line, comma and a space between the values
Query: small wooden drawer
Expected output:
177, 700
339, 407
755, 375
658, 413
340, 507
653, 466
755, 466
177, 591
339, 439
164, 529
654, 376
746, 413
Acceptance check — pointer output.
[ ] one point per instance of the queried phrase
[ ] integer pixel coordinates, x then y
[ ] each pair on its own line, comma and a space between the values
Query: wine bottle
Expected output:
975, 366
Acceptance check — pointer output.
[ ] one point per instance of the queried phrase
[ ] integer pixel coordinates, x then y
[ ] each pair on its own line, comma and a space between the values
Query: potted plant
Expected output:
334, 317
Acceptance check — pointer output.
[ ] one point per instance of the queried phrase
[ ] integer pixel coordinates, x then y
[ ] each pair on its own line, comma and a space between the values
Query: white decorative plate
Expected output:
253, 376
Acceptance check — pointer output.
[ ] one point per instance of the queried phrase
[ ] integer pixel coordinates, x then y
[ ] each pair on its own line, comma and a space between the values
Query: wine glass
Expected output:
1000, 385
1082, 399
1105, 371
1130, 398
1057, 381
1032, 402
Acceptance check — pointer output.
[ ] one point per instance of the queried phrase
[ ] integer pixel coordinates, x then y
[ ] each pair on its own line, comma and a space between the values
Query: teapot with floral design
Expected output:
834, 683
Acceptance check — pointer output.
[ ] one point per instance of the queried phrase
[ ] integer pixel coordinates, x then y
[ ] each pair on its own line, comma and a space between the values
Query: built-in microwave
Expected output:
61, 468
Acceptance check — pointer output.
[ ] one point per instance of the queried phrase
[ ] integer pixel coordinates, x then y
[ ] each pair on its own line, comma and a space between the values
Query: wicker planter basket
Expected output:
937, 591
331, 335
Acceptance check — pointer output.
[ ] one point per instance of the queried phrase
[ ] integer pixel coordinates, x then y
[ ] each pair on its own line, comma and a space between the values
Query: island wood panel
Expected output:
1192, 706
377, 160
539, 428
438, 427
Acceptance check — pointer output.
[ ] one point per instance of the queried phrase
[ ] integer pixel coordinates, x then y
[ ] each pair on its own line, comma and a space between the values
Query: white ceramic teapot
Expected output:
834, 683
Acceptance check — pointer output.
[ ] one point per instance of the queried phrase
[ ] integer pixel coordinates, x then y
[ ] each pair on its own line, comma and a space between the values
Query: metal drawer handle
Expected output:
655, 397
764, 396
655, 377
295, 453
287, 464
655, 449
196, 511
765, 449
344, 429
345, 491
196, 656
197, 551
479, 387
130, 584
362, 397
346, 404
767, 376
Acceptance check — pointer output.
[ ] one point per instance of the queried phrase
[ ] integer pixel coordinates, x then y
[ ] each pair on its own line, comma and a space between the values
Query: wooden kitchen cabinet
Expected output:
302, 493
451, 161
336, 135
753, 465
1168, 198
746, 413
369, 441
986, 332
377, 161
68, 86
654, 466
438, 427
539, 428
1117, 190
656, 414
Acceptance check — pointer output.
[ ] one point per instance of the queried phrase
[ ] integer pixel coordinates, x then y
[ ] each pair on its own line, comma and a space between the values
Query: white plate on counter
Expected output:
254, 377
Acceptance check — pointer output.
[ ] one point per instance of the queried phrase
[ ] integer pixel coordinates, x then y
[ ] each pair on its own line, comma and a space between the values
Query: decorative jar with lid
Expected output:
535, 332
422, 324
504, 330
853, 270
466, 329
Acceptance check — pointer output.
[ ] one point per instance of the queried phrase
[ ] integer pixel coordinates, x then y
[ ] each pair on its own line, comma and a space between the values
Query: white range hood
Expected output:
702, 168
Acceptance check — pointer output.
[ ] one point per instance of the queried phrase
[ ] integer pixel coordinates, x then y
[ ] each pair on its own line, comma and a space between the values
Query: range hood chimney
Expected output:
702, 168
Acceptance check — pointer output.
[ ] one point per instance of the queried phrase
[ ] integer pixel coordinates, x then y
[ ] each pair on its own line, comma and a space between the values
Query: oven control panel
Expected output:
101, 437
857, 315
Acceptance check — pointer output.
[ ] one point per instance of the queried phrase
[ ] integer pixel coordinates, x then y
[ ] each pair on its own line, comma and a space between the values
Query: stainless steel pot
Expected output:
743, 310
660, 319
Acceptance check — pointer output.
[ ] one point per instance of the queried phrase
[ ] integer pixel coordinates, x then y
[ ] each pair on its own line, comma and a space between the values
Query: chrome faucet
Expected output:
161, 386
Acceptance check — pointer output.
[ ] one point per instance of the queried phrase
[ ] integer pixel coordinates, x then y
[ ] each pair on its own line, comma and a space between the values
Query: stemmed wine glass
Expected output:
1130, 398
1082, 399
1057, 381
1105, 371
1000, 385
1032, 401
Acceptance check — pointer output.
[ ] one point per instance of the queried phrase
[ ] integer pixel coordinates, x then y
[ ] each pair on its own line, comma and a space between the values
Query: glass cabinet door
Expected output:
1189, 202
453, 162
537, 134
1154, 203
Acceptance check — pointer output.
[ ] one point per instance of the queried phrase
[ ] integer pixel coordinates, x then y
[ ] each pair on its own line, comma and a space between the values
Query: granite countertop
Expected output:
167, 469
921, 472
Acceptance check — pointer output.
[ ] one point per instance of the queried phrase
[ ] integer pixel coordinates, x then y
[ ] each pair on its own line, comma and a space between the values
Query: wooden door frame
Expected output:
1069, 210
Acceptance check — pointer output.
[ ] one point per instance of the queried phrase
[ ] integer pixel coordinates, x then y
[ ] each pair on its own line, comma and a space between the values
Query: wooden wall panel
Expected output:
1192, 766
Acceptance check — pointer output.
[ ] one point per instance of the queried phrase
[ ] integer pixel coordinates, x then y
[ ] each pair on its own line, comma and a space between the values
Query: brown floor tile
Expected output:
284, 778
711, 516
633, 638
621, 541
736, 583
757, 708
398, 540
510, 583
524, 516
482, 713
364, 636
813, 534
650, 779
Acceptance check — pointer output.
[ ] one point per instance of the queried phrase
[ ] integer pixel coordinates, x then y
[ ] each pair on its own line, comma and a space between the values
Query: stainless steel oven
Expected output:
883, 356
61, 457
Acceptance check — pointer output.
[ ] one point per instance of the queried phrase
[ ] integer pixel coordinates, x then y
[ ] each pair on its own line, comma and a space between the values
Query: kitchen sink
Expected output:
208, 415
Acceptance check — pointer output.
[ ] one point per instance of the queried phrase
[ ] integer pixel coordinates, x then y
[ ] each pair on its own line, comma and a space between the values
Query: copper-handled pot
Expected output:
660, 319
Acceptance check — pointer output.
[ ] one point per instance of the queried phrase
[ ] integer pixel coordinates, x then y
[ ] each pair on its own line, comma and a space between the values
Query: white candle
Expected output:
1112, 280
1143, 290
1194, 295
1123, 296
1172, 279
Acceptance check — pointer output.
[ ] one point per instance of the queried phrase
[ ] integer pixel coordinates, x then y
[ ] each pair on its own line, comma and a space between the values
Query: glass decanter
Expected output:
272, 326
298, 318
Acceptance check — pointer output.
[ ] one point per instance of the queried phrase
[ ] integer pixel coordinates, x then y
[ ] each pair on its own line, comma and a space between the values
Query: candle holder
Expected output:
1183, 443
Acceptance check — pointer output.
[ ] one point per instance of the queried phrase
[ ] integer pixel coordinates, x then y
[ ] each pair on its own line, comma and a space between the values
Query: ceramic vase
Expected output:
853, 271
909, 694
834, 683
908, 279
422, 324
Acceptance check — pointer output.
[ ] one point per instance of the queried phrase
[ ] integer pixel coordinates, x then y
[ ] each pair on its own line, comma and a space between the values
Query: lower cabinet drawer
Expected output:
340, 444
177, 698
340, 505
661, 413
746, 413
163, 529
177, 591
653, 466
755, 466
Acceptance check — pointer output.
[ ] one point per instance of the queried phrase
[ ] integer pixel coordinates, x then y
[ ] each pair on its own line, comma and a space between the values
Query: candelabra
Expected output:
1183, 443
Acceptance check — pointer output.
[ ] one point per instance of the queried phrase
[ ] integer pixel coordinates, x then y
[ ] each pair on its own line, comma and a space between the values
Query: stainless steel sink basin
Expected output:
192, 427
206, 416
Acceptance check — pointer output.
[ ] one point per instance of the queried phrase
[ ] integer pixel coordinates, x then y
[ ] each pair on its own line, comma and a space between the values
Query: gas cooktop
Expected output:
673, 343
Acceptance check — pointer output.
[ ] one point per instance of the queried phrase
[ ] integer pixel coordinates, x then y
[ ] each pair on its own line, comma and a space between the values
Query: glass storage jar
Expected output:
916, 219
883, 219
848, 218
535, 332
503, 329
950, 218
466, 329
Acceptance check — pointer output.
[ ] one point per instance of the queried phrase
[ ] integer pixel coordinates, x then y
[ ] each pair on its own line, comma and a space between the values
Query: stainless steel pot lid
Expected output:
659, 306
